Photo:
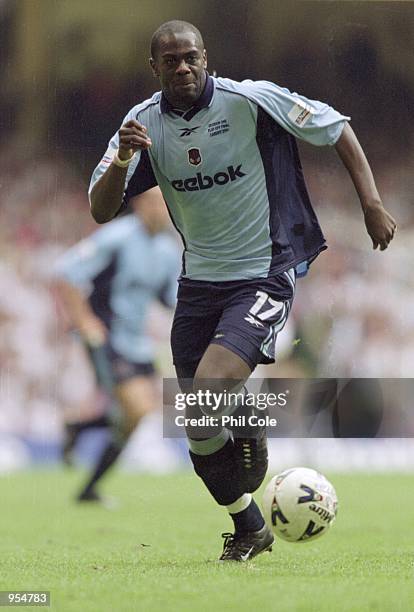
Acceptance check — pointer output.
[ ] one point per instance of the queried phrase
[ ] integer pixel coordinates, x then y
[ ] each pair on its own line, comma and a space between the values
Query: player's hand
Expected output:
93, 331
132, 137
380, 225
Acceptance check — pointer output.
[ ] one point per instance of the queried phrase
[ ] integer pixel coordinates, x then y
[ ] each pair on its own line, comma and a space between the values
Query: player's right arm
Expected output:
75, 274
90, 327
106, 196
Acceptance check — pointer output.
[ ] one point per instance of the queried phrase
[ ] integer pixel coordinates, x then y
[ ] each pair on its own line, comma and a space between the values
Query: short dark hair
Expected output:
174, 27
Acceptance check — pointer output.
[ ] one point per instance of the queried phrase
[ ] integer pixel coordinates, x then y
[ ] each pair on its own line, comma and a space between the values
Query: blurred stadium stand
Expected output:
70, 72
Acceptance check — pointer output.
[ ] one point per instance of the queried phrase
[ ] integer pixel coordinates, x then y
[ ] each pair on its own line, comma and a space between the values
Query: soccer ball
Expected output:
299, 505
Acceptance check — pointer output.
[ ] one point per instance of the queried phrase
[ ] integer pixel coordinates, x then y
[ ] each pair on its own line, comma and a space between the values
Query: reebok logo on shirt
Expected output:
204, 181
188, 131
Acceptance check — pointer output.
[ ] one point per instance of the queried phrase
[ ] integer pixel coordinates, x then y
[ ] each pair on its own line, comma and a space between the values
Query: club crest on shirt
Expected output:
194, 157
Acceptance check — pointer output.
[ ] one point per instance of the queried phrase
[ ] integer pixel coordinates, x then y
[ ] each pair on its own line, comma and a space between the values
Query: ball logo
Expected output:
311, 495
194, 157
276, 513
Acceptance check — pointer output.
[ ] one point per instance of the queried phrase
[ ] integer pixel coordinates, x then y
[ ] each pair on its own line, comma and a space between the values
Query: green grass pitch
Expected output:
158, 551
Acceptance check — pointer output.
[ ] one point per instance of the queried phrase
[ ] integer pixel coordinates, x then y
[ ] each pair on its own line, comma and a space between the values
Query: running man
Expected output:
108, 282
225, 157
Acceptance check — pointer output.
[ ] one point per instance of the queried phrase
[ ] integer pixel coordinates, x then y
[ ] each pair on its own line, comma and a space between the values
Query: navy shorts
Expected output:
244, 316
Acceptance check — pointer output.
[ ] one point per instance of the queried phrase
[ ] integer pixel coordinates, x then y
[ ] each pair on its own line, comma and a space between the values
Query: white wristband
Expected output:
122, 163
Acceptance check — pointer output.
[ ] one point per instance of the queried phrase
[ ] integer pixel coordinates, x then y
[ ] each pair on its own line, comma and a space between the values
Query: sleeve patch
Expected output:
300, 113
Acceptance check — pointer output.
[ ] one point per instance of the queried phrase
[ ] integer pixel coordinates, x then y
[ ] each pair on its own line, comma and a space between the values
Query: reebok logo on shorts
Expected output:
253, 321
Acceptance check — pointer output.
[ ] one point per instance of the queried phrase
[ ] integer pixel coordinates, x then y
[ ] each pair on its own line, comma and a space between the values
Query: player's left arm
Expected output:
319, 124
379, 223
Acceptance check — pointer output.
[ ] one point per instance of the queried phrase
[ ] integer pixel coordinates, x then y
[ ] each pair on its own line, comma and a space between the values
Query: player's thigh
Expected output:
201, 362
195, 321
221, 368
134, 387
254, 315
137, 396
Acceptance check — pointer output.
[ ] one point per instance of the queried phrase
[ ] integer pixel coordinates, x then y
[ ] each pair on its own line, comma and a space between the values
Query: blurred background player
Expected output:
107, 283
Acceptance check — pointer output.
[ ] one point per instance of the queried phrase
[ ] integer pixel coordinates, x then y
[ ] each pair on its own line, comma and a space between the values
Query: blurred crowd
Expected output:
352, 315
38, 220
65, 90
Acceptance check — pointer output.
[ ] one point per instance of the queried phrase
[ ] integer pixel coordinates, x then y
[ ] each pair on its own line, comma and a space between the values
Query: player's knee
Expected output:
218, 396
185, 375
131, 421
136, 398
220, 363
197, 427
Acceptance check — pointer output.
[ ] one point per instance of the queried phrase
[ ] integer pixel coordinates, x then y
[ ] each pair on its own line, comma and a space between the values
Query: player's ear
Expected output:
154, 68
205, 58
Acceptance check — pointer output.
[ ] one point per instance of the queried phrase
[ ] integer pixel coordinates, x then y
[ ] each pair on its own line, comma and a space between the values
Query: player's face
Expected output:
180, 65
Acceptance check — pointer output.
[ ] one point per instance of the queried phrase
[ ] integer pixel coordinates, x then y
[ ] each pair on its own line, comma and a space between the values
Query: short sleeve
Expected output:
81, 264
309, 120
140, 168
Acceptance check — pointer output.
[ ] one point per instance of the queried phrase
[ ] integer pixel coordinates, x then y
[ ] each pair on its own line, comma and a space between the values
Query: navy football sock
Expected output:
249, 519
79, 426
218, 471
108, 457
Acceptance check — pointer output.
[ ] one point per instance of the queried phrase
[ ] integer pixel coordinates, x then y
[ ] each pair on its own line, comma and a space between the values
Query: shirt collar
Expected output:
203, 101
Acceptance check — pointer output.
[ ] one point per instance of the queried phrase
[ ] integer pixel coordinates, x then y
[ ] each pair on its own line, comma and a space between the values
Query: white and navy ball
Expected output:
299, 505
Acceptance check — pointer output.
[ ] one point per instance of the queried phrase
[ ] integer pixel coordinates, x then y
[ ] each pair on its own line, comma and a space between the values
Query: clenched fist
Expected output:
380, 225
132, 137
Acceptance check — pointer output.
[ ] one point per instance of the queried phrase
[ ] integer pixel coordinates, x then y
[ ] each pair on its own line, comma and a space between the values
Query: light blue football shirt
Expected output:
230, 173
122, 269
